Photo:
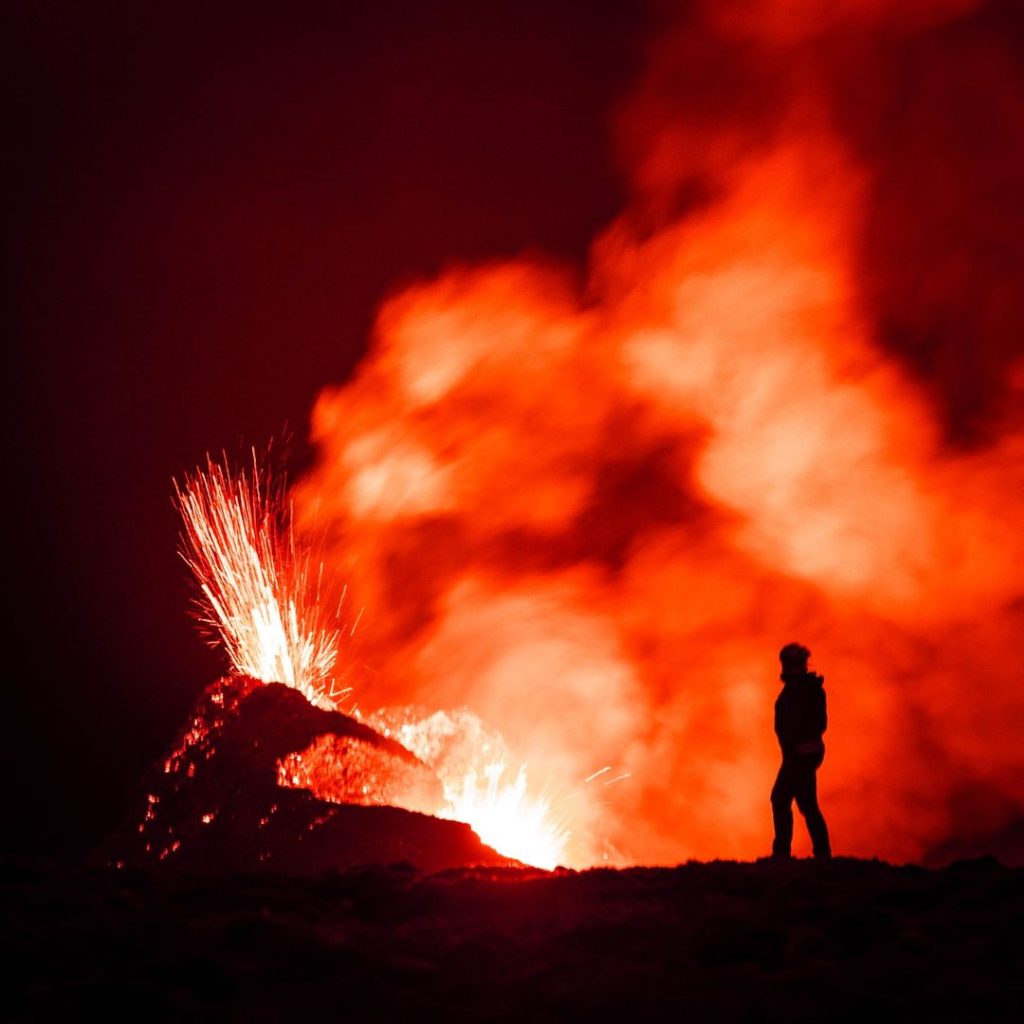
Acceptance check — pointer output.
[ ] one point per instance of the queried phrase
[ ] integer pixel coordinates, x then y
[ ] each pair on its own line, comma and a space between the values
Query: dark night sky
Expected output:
207, 205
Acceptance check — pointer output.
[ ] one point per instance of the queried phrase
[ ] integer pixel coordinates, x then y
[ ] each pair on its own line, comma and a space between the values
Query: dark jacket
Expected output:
800, 716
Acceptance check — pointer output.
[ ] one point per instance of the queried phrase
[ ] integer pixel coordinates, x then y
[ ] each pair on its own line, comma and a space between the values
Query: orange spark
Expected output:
261, 593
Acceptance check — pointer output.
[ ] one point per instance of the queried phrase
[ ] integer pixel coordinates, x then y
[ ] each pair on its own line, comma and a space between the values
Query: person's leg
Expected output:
805, 789
782, 812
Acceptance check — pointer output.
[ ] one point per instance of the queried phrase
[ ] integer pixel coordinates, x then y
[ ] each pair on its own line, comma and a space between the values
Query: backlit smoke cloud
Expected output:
783, 403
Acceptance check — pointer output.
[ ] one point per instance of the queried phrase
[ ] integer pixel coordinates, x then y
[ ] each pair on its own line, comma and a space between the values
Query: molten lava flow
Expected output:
502, 813
592, 514
260, 595
470, 761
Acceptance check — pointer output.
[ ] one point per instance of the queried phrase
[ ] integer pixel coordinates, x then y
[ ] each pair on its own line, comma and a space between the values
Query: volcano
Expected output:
230, 794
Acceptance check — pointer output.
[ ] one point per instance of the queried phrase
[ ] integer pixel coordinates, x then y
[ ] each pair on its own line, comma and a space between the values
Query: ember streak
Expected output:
261, 595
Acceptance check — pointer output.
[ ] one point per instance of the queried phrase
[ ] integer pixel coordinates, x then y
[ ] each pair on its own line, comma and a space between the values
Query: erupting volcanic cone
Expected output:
227, 796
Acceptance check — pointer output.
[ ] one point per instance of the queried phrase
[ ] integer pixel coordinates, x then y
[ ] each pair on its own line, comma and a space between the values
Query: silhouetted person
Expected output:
800, 721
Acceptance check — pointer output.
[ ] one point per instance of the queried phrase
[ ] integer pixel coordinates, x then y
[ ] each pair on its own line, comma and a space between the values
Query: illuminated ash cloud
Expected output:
592, 510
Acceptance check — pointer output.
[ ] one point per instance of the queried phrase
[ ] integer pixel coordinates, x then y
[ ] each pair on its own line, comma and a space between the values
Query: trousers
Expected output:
798, 780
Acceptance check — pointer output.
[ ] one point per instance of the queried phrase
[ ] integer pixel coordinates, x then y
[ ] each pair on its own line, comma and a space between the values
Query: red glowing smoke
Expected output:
592, 511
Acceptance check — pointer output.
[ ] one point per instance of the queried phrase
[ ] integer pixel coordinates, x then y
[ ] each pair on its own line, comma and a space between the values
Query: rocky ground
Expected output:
723, 941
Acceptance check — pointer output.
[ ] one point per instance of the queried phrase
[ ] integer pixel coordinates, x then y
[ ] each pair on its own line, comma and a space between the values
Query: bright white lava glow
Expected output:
506, 817
469, 759
260, 597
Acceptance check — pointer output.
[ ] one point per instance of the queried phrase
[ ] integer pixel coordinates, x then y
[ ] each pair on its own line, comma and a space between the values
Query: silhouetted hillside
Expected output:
846, 941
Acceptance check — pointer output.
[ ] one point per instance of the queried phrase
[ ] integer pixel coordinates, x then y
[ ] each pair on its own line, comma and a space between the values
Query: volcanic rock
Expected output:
234, 794
802, 942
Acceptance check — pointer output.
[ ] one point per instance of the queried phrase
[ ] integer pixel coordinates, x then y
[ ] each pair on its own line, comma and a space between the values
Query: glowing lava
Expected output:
505, 816
470, 761
261, 602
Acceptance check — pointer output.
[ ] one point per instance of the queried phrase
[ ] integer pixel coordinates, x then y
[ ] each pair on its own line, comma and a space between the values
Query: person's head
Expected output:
794, 658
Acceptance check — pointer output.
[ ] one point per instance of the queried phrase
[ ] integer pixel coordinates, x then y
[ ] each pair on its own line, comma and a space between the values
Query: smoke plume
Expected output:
782, 402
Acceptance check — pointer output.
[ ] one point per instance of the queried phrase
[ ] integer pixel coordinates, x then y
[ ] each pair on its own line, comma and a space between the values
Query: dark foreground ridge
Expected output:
844, 941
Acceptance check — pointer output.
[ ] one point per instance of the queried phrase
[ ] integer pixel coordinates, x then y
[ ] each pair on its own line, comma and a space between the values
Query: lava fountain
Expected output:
263, 598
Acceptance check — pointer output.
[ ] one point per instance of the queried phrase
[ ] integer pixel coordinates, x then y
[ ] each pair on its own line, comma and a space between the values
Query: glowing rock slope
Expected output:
230, 796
